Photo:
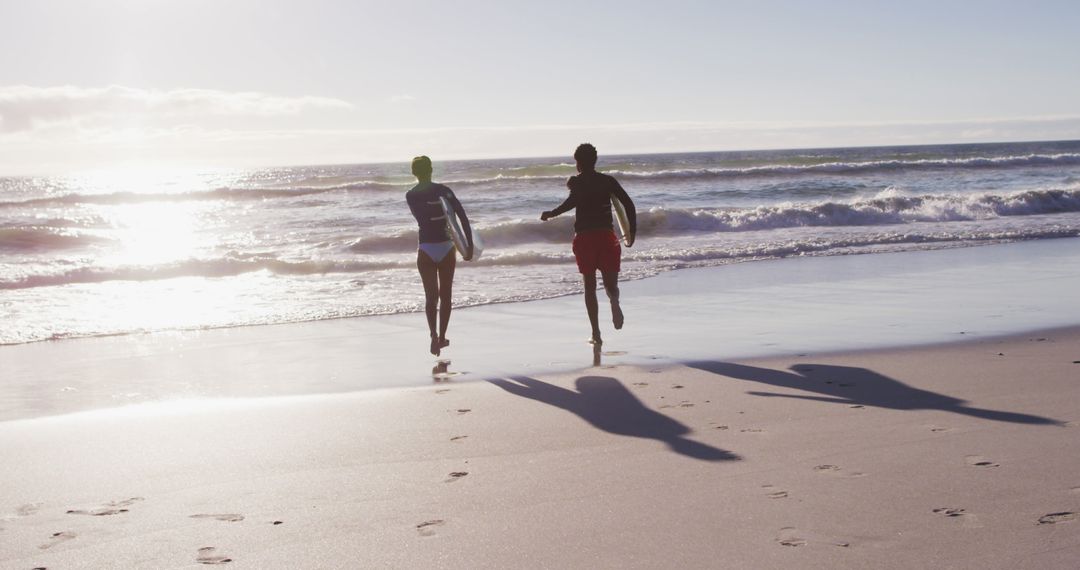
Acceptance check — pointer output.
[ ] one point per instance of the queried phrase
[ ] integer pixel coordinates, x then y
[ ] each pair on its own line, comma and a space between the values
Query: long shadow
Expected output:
859, 386
606, 404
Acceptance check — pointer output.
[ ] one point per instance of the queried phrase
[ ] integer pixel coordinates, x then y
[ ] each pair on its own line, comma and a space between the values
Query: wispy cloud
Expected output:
24, 107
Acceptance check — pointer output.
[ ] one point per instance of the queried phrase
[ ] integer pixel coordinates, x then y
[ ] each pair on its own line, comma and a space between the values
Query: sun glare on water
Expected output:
159, 245
155, 233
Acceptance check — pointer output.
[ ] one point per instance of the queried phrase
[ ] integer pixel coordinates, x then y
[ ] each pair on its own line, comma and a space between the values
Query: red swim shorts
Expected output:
597, 249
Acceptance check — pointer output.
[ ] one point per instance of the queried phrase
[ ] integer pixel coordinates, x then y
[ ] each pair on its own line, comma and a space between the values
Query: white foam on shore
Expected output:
798, 305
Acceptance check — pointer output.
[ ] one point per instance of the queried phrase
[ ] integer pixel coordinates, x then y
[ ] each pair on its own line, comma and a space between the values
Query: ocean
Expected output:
109, 253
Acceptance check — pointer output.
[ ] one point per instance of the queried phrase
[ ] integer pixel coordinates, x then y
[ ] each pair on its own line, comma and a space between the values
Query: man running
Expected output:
595, 244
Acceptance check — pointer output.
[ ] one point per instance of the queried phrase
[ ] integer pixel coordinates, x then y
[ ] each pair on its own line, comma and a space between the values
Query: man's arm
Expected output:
569, 204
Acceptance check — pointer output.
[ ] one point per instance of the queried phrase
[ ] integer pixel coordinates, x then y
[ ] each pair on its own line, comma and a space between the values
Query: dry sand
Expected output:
954, 456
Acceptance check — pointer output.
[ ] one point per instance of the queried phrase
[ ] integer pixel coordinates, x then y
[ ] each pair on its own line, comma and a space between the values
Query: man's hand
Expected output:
545, 216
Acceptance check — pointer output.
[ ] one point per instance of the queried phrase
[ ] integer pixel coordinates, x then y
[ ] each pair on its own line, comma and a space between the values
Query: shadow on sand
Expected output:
859, 386
606, 404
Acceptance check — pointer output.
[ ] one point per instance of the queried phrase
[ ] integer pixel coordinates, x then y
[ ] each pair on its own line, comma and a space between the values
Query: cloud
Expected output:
25, 108
405, 98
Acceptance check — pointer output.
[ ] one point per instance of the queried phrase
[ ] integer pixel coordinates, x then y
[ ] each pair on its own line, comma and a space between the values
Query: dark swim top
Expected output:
423, 201
590, 193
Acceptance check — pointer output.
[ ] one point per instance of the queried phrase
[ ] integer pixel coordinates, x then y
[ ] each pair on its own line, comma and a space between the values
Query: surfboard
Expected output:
457, 235
622, 221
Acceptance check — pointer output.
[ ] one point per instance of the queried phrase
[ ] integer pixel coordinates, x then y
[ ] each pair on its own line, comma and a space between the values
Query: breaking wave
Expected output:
887, 208
220, 267
229, 194
31, 239
559, 172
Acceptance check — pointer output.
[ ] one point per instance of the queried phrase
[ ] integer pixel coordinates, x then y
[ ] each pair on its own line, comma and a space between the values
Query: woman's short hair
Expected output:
421, 165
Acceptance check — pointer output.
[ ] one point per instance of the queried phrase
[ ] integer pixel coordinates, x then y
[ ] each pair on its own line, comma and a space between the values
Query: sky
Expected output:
238, 83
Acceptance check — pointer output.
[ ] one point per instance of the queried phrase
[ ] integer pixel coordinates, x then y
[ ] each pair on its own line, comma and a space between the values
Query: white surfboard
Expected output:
622, 221
457, 235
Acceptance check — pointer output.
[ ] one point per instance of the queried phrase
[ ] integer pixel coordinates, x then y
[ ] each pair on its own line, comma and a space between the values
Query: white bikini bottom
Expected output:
437, 251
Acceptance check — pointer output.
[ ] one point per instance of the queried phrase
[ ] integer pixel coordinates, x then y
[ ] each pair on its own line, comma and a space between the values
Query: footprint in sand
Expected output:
788, 536
458, 437
641, 383
1054, 518
113, 508
778, 495
27, 509
614, 353
937, 429
979, 461
57, 538
227, 517
838, 472
791, 536
427, 528
969, 520
752, 430
442, 390
208, 555
463, 411
455, 476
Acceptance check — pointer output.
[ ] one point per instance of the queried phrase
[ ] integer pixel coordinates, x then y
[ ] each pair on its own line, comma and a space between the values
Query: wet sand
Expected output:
789, 306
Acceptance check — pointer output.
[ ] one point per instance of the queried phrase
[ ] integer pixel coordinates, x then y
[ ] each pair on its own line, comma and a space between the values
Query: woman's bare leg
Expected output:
446, 269
429, 276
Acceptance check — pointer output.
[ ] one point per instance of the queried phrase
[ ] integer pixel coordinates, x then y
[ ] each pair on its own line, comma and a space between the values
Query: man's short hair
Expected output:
586, 154
421, 165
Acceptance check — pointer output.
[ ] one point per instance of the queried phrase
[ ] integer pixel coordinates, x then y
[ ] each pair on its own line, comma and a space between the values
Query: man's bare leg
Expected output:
611, 285
591, 306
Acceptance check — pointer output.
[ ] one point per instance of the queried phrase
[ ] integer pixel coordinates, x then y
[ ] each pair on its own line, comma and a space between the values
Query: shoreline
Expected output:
812, 305
891, 249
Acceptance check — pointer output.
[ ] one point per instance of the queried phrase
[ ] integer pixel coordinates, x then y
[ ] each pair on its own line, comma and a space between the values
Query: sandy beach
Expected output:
957, 456
959, 451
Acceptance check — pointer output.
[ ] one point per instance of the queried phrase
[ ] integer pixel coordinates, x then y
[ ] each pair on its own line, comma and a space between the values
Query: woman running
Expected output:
435, 257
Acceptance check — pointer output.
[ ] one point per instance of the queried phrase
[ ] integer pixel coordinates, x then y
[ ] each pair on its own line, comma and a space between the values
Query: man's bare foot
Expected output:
596, 339
435, 348
444, 342
616, 315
